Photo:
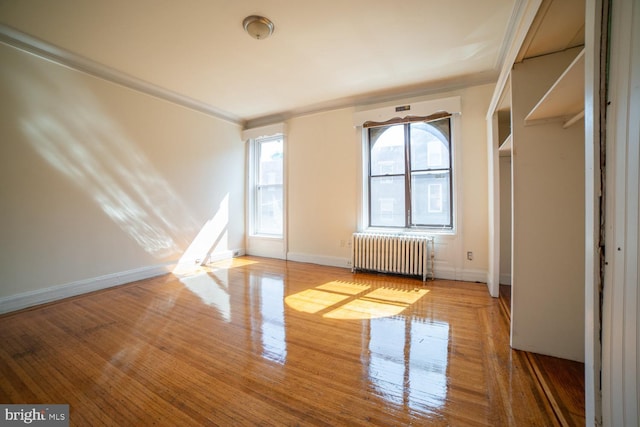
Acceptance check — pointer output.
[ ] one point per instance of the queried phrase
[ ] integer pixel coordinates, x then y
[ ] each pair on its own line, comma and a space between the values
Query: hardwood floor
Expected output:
255, 341
561, 381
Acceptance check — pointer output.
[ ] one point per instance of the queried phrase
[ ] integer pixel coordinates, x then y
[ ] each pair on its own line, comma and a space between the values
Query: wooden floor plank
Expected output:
560, 381
259, 341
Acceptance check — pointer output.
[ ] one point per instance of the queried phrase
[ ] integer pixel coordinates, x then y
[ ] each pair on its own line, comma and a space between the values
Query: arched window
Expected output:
410, 175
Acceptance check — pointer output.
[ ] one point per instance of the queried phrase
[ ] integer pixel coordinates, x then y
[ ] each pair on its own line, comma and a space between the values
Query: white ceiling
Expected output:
323, 54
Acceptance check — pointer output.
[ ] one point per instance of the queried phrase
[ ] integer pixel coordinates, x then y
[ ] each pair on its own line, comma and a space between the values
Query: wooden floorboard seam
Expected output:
546, 389
552, 404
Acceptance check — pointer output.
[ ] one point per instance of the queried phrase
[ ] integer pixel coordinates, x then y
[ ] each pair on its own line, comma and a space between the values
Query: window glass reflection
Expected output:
408, 361
428, 364
268, 317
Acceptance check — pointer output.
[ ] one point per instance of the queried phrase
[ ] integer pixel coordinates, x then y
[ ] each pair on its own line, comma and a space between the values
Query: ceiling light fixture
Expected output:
258, 27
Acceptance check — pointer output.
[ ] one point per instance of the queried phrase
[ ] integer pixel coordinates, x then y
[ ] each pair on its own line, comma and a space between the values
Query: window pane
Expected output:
269, 210
387, 150
430, 204
269, 214
387, 202
429, 147
271, 155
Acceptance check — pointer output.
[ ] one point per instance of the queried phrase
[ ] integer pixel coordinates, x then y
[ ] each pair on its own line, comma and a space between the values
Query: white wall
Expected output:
548, 219
324, 177
322, 161
505, 220
101, 184
473, 206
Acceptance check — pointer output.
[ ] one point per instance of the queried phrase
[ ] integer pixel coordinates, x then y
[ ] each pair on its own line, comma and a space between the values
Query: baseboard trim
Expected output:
55, 293
221, 256
465, 275
505, 279
441, 272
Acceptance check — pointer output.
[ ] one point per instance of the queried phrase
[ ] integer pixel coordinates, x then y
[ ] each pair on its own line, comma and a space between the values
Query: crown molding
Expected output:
35, 46
523, 15
375, 98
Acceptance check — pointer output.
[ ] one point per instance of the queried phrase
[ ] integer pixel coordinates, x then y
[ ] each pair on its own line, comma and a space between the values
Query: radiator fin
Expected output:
399, 254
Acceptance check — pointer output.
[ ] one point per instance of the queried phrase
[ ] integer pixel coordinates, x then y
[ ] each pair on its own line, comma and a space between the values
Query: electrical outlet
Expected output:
349, 264
470, 256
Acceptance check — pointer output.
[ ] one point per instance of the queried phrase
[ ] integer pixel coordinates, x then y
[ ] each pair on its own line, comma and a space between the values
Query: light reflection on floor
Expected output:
211, 291
406, 357
346, 300
268, 322
209, 282
408, 361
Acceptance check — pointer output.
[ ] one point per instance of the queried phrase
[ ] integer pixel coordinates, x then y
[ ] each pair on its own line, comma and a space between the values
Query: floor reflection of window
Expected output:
211, 289
268, 317
386, 368
408, 361
428, 364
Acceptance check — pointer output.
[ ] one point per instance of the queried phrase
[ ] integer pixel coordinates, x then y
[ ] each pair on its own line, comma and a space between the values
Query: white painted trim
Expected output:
260, 245
424, 108
460, 274
493, 155
42, 49
507, 39
265, 253
368, 100
521, 20
441, 272
456, 157
54, 293
264, 131
592, 345
621, 301
526, 13
319, 259
222, 255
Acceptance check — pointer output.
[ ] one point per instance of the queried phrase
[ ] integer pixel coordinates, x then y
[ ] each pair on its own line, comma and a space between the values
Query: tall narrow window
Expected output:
410, 175
269, 177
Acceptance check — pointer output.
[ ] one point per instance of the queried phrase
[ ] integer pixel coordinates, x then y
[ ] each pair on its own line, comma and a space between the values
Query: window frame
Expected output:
449, 228
256, 186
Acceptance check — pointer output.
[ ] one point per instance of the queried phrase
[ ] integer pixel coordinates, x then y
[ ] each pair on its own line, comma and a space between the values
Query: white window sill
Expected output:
266, 237
410, 231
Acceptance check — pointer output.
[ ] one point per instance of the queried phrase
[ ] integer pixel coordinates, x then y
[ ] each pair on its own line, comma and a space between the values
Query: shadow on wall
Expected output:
65, 124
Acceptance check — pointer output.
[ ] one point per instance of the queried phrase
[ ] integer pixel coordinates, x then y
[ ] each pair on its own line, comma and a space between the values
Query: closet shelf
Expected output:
565, 99
505, 147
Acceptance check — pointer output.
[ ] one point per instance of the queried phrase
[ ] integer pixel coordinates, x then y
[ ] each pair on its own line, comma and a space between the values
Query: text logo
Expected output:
36, 415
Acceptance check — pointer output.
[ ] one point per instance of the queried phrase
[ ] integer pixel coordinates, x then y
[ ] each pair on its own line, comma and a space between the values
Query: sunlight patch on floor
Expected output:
347, 300
397, 295
365, 309
314, 300
231, 263
383, 302
343, 287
